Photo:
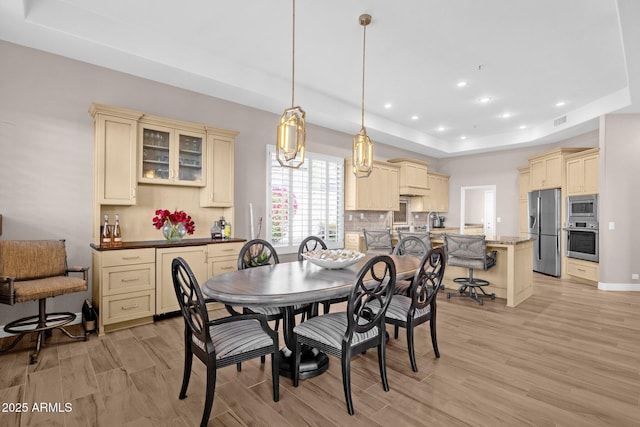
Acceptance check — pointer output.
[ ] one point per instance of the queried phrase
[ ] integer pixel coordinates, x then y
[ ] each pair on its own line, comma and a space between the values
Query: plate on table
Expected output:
333, 259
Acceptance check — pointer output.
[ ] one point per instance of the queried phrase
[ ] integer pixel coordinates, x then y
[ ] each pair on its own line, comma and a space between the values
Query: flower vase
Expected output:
173, 232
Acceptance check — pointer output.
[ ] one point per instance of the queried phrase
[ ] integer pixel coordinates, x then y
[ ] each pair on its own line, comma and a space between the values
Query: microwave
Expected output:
583, 207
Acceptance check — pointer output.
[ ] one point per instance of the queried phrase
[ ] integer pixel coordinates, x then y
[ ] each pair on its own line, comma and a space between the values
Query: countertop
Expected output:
166, 244
495, 240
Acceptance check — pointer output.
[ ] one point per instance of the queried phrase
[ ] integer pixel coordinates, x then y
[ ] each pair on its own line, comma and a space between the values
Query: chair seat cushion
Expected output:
233, 338
330, 329
402, 287
29, 290
274, 311
399, 307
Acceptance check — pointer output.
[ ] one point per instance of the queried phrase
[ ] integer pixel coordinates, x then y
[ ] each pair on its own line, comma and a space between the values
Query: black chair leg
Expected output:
382, 364
296, 364
211, 391
186, 375
275, 374
396, 329
411, 348
434, 340
346, 382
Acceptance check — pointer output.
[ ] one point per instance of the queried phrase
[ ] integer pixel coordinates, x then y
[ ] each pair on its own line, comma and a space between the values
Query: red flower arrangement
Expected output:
163, 215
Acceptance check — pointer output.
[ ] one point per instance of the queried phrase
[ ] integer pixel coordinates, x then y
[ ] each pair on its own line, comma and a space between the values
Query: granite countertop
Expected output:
495, 240
166, 244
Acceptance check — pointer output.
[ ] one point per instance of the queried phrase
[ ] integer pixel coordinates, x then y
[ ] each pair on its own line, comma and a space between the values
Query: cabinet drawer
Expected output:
220, 267
127, 257
120, 308
583, 269
121, 279
224, 249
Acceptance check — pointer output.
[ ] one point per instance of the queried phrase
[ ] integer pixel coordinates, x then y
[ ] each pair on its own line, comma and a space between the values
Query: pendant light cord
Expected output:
293, 56
364, 43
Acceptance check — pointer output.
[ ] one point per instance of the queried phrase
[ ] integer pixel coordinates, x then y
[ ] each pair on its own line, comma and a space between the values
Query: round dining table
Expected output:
287, 285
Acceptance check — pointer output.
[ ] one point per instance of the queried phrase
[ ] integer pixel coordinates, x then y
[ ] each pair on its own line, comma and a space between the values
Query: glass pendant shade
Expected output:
362, 154
290, 145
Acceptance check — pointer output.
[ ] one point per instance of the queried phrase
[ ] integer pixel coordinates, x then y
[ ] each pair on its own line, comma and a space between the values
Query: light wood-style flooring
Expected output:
568, 356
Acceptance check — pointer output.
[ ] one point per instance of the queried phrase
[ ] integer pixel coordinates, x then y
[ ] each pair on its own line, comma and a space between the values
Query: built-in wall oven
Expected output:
582, 240
582, 227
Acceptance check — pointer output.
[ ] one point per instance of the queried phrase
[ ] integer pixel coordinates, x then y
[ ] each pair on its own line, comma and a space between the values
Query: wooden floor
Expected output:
568, 356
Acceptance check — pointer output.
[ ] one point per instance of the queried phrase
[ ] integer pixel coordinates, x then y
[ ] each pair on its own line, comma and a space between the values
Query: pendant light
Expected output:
290, 144
362, 146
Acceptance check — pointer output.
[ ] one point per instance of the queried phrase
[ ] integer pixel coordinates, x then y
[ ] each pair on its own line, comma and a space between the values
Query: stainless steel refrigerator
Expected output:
544, 227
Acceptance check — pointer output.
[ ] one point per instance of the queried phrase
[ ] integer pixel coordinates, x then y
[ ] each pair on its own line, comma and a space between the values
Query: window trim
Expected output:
289, 249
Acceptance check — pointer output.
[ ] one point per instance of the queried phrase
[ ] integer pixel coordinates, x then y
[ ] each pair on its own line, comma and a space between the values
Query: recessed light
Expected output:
388, 105
463, 137
485, 99
461, 83
560, 103
506, 115
441, 128
414, 117
522, 127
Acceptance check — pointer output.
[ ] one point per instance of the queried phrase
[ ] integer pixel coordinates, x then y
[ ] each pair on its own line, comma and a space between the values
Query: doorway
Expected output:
478, 206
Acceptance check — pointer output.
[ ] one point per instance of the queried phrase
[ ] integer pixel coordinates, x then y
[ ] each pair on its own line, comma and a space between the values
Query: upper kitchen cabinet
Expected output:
547, 169
414, 180
380, 191
582, 172
523, 202
437, 199
171, 152
115, 133
218, 191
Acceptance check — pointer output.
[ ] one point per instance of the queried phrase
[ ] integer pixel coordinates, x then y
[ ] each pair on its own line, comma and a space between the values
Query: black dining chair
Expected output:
419, 306
408, 246
313, 243
378, 241
221, 342
360, 327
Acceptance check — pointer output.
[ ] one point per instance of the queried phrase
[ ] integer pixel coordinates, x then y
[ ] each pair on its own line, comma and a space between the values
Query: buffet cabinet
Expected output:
133, 284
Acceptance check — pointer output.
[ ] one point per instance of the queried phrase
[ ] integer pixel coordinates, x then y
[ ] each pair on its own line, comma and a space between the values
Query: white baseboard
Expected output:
635, 287
4, 334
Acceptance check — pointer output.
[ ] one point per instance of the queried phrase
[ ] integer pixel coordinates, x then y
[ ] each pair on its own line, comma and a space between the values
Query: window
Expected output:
305, 201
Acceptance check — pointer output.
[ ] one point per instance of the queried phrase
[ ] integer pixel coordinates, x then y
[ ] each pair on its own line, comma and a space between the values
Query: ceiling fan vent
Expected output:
560, 121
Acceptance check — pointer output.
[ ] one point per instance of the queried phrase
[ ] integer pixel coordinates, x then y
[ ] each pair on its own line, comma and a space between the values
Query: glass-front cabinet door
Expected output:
171, 156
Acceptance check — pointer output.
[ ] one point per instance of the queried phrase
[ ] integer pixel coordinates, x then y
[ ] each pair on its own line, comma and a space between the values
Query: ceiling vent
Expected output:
560, 121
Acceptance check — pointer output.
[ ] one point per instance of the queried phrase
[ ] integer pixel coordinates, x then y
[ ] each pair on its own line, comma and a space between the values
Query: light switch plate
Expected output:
612, 225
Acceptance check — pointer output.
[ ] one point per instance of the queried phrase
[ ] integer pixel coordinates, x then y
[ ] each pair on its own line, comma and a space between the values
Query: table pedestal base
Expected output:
312, 362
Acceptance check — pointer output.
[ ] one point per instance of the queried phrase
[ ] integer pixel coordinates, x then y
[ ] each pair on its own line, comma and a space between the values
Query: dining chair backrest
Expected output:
378, 241
311, 243
255, 253
412, 246
427, 279
192, 305
425, 237
370, 295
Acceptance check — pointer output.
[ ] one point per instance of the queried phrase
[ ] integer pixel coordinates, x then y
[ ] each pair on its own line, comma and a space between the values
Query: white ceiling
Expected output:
526, 55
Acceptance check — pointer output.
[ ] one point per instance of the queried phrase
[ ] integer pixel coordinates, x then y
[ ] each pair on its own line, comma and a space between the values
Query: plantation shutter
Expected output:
305, 201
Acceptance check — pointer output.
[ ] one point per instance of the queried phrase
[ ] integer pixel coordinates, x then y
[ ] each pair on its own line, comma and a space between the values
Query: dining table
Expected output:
291, 284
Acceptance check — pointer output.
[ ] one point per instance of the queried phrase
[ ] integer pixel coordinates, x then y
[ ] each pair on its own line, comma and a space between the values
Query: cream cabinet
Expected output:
582, 172
223, 258
171, 152
218, 190
195, 256
379, 191
523, 202
115, 133
437, 200
123, 287
352, 241
414, 179
547, 169
582, 269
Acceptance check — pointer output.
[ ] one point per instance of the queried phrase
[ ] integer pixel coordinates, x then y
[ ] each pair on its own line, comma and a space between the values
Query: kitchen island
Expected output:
512, 276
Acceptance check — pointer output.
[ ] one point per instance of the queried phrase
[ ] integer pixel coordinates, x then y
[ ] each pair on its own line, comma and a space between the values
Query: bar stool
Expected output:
471, 252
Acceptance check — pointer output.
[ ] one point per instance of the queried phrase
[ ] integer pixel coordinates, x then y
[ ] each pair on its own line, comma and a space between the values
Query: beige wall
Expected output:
46, 148
619, 199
